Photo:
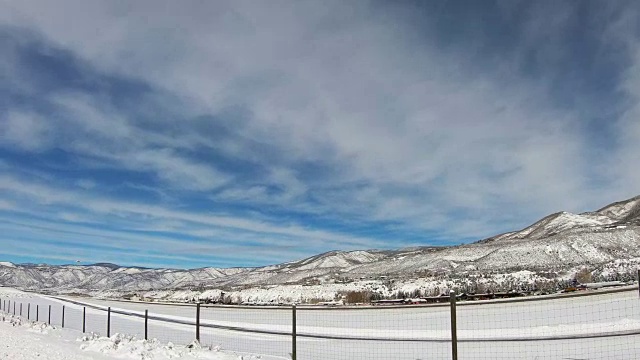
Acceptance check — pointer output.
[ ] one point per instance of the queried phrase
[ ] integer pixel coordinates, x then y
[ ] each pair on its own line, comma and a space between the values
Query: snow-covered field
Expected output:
602, 326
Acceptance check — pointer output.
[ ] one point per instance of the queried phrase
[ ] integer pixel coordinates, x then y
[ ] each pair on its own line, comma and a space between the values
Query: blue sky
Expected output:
247, 133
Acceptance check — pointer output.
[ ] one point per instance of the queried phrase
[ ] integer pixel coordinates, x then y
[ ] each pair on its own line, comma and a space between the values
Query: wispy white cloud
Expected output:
628, 128
76, 236
136, 216
86, 184
28, 131
339, 112
6, 205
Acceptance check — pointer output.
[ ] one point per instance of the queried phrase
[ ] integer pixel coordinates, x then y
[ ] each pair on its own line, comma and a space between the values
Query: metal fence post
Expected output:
49, 322
198, 322
84, 319
146, 324
109, 321
63, 316
294, 350
37, 312
29, 311
454, 328
20, 309
14, 307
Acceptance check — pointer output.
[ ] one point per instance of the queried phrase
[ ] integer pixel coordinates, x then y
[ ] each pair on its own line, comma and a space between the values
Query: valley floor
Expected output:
597, 326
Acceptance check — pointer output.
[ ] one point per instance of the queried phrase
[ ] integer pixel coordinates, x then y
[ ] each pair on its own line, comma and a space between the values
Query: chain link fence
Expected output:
585, 325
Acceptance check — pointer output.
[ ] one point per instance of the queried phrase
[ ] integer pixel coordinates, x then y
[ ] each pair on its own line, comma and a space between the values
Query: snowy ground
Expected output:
28, 340
603, 326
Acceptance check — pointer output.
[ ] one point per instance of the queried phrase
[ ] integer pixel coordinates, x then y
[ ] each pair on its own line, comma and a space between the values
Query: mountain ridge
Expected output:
557, 242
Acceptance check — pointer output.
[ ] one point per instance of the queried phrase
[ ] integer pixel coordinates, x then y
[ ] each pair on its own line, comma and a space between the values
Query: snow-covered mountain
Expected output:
558, 242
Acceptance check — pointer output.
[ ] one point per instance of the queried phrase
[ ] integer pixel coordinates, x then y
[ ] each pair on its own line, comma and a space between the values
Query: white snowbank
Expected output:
22, 339
128, 347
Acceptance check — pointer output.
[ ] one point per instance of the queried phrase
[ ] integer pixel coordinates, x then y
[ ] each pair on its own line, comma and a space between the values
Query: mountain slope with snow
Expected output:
558, 241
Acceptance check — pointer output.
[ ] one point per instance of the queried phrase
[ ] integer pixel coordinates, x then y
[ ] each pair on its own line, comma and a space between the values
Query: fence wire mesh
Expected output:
248, 330
605, 326
374, 333
592, 325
